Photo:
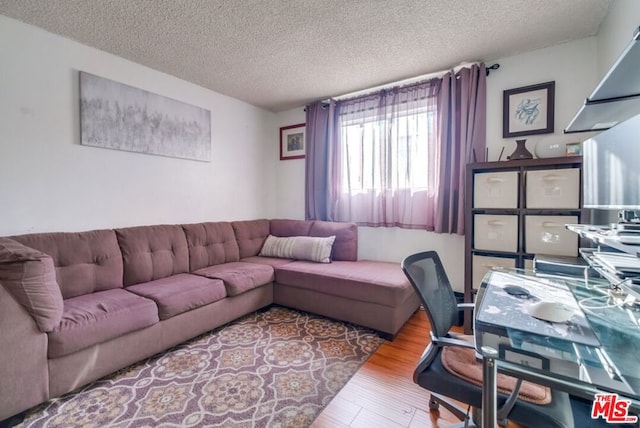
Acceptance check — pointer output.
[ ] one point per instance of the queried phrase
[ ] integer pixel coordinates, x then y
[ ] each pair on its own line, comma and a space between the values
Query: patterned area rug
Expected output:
275, 368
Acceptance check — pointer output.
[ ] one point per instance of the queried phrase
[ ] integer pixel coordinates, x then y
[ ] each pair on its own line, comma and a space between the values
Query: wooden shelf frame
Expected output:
521, 167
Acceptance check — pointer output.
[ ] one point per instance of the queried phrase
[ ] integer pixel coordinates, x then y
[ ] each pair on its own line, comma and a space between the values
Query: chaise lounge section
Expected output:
365, 292
75, 307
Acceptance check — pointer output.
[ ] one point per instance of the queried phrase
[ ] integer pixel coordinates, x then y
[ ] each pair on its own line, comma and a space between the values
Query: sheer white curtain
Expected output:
387, 166
397, 157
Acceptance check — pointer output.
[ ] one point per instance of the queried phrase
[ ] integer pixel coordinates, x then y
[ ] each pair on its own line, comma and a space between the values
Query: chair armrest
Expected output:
466, 305
432, 350
450, 341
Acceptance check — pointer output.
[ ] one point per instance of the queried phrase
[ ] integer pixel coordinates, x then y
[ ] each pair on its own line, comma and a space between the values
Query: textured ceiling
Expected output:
280, 54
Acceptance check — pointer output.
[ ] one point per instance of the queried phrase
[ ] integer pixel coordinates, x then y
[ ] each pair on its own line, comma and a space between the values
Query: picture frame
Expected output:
117, 116
293, 142
528, 110
574, 149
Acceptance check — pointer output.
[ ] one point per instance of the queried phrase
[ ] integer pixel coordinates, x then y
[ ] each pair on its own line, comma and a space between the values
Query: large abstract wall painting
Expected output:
121, 117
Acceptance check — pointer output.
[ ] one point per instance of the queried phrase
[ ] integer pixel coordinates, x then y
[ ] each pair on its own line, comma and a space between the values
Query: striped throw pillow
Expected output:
312, 248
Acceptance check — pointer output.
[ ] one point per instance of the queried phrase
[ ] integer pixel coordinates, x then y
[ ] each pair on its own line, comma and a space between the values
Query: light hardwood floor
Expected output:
382, 393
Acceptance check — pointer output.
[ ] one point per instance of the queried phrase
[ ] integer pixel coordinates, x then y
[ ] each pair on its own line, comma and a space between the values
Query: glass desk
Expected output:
596, 351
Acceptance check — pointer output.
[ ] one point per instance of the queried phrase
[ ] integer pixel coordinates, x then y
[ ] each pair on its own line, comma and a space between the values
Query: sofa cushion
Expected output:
95, 318
366, 281
271, 261
180, 293
211, 244
280, 227
85, 261
239, 277
345, 246
312, 248
250, 236
153, 252
30, 276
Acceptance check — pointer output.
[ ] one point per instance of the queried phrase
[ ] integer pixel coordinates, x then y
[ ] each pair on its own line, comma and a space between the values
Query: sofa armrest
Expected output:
24, 373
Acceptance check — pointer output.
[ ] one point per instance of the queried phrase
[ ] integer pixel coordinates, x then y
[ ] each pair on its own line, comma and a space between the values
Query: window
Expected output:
397, 157
388, 153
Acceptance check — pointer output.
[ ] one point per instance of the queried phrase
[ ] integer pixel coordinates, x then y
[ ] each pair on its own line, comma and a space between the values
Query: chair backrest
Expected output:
428, 277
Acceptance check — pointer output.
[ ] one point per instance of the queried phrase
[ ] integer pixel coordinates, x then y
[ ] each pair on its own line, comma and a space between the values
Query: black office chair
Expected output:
429, 279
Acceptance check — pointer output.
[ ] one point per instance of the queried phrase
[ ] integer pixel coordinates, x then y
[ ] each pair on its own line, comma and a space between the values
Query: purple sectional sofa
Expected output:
77, 306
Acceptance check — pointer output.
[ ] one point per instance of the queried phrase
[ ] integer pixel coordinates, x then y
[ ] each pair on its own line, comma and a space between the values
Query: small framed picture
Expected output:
528, 110
292, 142
574, 149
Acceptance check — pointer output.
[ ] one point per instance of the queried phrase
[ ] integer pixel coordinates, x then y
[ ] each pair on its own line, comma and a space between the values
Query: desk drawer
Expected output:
495, 232
495, 190
482, 264
545, 234
553, 188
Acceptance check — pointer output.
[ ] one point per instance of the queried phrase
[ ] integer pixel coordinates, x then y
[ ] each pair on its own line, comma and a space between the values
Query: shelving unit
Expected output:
601, 235
517, 209
617, 96
619, 274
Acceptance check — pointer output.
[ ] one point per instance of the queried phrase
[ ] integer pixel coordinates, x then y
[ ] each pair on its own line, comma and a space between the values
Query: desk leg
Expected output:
489, 388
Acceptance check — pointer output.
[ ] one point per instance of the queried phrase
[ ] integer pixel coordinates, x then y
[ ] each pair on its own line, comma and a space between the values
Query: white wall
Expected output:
290, 173
572, 65
394, 244
49, 182
616, 31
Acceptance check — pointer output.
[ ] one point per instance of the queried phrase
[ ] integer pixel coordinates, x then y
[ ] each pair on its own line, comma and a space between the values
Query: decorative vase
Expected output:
551, 147
521, 151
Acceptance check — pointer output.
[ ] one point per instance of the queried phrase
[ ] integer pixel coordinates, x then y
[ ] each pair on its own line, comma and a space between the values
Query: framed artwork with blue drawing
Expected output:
528, 110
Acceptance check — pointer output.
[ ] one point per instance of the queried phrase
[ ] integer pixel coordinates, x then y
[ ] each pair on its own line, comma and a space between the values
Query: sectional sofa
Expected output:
75, 307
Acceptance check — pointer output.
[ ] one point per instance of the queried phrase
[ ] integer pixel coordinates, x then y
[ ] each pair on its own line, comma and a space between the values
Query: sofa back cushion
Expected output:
345, 247
211, 244
85, 261
250, 236
290, 227
152, 252
30, 276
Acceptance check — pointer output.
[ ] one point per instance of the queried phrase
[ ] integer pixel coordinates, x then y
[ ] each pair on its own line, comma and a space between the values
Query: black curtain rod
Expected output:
492, 67
488, 70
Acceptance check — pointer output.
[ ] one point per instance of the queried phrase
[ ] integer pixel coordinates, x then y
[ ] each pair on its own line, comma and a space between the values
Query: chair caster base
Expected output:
434, 405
